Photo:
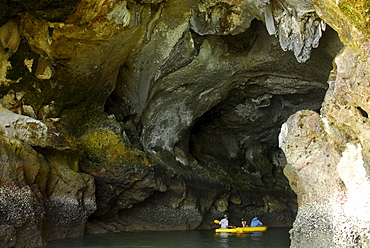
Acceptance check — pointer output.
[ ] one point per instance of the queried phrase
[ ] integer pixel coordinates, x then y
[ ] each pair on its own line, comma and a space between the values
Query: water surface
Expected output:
272, 238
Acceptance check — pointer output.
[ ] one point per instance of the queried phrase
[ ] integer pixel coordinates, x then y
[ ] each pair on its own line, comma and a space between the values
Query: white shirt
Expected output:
224, 223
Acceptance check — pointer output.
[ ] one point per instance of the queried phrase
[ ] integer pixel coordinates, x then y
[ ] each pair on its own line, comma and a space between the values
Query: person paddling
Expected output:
224, 223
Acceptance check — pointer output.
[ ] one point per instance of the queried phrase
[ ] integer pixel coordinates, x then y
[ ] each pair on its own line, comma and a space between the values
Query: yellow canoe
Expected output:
243, 229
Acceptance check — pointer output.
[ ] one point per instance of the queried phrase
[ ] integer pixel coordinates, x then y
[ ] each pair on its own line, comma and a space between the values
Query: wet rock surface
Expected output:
164, 115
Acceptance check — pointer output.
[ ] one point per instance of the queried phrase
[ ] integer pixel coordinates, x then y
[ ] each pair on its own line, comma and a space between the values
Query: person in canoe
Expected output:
256, 222
241, 223
224, 223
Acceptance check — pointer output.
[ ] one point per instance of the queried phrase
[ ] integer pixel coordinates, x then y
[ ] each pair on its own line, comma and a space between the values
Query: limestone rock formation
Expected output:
328, 159
163, 115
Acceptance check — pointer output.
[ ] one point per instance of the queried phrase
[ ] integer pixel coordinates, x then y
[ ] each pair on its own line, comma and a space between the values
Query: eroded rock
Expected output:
29, 186
328, 159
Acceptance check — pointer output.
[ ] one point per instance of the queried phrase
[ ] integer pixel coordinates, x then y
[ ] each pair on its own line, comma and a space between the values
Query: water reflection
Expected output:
250, 239
223, 240
256, 235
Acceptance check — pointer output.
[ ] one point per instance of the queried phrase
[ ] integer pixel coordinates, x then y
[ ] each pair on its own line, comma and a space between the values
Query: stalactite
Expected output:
296, 33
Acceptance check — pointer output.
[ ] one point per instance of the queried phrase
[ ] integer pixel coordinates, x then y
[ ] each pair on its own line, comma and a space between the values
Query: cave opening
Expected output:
240, 134
237, 136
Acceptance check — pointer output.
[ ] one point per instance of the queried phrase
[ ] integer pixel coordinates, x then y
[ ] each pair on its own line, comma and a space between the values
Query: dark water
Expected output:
272, 238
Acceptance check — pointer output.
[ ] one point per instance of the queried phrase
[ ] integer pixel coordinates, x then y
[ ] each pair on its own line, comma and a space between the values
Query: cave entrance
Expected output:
239, 135
242, 99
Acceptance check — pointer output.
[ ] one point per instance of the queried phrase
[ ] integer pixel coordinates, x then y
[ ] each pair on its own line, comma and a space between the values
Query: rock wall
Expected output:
159, 115
327, 154
42, 194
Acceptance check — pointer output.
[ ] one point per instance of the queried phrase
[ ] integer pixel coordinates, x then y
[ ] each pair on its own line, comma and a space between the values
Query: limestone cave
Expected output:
128, 115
